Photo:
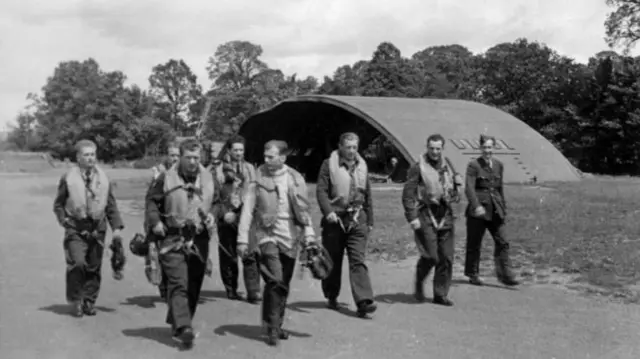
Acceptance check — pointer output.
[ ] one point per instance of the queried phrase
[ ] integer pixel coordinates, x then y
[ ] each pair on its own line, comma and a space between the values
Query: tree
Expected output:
175, 88
80, 100
235, 65
347, 80
528, 80
388, 74
152, 136
450, 71
23, 135
610, 118
242, 85
139, 102
623, 24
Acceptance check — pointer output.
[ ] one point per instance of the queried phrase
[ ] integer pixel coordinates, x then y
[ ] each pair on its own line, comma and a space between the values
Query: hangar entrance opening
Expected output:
397, 127
312, 130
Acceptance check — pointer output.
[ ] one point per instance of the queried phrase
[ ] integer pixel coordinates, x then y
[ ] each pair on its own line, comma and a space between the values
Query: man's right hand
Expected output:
332, 217
242, 250
479, 211
159, 229
229, 217
415, 224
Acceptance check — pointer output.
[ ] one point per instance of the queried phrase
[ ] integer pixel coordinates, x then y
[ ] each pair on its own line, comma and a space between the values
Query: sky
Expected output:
307, 37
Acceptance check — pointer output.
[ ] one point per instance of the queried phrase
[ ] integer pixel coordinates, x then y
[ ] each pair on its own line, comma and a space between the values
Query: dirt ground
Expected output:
535, 321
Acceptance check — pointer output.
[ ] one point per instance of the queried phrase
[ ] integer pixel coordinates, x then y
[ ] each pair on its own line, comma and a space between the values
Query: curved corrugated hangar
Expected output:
311, 124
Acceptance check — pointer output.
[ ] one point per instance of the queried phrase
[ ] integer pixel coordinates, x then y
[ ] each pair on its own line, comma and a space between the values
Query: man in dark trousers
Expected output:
178, 211
173, 156
344, 195
83, 206
487, 209
431, 189
277, 210
237, 175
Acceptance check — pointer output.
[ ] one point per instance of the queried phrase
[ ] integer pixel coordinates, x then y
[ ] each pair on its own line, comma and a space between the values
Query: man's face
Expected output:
434, 149
173, 154
237, 151
394, 161
190, 160
273, 159
349, 149
487, 149
86, 157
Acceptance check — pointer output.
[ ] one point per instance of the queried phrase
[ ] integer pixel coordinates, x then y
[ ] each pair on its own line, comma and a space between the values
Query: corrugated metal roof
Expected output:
407, 122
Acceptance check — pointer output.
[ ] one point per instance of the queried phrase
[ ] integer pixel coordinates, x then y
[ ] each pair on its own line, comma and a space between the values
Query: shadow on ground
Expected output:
393, 298
160, 335
489, 285
252, 332
212, 295
301, 307
65, 309
152, 301
144, 301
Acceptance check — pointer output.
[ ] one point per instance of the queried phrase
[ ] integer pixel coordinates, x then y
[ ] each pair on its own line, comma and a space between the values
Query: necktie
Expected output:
87, 179
87, 186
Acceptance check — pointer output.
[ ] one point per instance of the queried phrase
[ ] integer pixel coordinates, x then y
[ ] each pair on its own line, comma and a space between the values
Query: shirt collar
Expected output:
186, 177
343, 162
88, 171
432, 162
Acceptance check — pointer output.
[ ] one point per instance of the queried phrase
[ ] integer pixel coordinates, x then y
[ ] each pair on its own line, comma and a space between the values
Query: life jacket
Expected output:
83, 202
183, 200
235, 184
439, 184
247, 172
266, 207
341, 179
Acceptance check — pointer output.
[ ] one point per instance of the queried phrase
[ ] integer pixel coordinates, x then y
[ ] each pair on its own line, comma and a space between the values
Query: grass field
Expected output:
586, 233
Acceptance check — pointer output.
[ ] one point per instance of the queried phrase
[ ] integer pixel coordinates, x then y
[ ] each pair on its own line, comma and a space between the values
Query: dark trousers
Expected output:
83, 255
336, 241
436, 250
162, 287
184, 277
228, 237
476, 228
280, 264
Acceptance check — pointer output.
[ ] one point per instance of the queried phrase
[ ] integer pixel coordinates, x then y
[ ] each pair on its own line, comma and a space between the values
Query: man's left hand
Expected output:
209, 269
308, 240
210, 221
118, 258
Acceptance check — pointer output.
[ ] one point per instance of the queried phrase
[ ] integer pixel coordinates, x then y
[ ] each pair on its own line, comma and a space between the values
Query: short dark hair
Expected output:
190, 145
235, 139
84, 144
485, 138
348, 136
281, 146
436, 137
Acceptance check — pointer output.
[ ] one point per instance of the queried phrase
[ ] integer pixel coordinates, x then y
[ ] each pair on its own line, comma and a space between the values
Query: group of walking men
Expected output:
262, 216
